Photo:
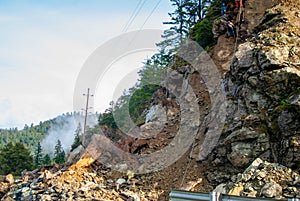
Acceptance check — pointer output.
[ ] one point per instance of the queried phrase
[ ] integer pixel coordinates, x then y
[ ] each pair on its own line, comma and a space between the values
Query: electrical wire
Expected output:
152, 11
148, 17
134, 14
129, 20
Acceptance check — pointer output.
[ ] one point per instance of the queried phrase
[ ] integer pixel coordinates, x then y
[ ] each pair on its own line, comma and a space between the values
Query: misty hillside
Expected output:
47, 132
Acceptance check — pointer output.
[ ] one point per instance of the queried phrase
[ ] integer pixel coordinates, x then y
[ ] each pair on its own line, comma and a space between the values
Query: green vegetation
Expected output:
29, 135
59, 154
131, 106
203, 33
107, 117
46, 160
14, 159
284, 103
77, 138
38, 155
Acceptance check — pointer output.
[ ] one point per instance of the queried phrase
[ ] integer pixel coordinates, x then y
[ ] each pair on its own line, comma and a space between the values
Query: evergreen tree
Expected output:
174, 36
178, 19
107, 117
59, 154
202, 6
14, 159
47, 160
183, 18
77, 139
38, 155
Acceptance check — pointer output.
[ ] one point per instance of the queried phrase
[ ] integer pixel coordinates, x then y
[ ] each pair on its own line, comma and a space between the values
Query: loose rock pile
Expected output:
76, 183
264, 179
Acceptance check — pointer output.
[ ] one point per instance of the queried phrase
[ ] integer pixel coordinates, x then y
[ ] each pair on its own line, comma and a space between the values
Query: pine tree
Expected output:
14, 159
77, 139
38, 155
183, 18
59, 154
202, 6
46, 160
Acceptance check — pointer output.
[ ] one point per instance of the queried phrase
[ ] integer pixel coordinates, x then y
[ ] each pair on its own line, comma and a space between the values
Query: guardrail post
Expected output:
215, 196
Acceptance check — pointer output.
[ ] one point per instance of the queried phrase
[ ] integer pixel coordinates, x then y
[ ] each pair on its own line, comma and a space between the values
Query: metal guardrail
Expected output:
177, 195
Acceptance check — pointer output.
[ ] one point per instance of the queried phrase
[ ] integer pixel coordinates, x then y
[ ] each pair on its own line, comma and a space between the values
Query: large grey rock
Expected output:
75, 155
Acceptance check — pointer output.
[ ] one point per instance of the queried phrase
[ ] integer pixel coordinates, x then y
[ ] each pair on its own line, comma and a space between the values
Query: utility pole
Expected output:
86, 113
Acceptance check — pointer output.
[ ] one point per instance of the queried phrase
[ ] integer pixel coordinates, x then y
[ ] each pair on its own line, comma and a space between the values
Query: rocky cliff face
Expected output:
263, 96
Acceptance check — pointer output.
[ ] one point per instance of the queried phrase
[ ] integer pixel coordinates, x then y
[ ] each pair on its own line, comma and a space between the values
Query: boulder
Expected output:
74, 155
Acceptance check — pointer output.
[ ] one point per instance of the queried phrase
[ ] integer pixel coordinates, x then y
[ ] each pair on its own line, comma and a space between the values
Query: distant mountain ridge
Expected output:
30, 135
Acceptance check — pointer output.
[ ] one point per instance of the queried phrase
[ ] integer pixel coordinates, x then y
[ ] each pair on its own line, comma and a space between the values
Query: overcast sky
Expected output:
44, 44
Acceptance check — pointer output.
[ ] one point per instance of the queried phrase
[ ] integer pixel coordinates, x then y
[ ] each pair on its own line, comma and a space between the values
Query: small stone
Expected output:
260, 183
25, 189
271, 190
48, 175
46, 197
234, 178
27, 195
221, 189
252, 194
248, 187
297, 180
237, 190
261, 175
217, 161
120, 181
10, 179
244, 177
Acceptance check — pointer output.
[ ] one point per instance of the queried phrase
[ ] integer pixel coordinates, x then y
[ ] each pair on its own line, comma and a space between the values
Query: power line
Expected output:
157, 4
134, 14
152, 11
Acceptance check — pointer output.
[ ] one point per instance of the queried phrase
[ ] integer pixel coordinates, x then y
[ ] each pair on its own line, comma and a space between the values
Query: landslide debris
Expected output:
263, 179
81, 181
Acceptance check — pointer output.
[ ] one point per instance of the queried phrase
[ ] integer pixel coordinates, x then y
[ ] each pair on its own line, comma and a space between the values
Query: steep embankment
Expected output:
263, 94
